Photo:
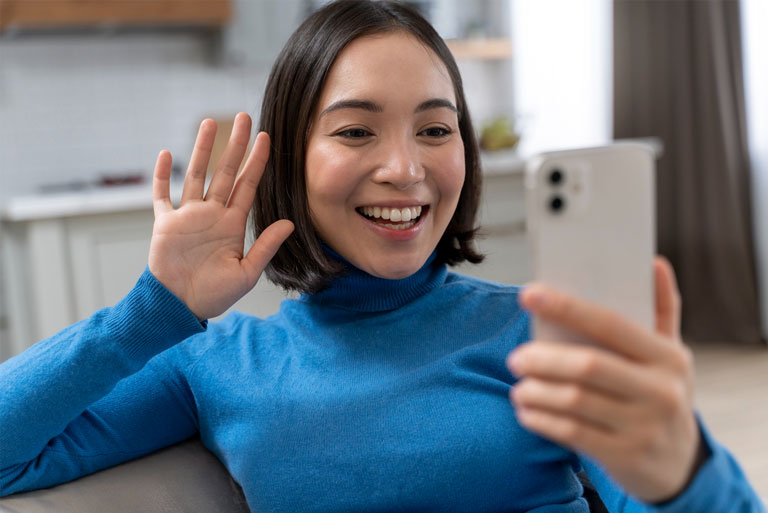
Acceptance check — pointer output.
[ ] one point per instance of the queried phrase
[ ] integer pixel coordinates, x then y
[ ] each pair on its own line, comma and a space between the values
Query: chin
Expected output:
396, 270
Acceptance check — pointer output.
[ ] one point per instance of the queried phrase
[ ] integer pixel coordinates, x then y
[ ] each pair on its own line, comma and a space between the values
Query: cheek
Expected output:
324, 170
451, 175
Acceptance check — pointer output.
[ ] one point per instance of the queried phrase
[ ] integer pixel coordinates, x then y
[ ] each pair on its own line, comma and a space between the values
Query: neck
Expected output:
362, 292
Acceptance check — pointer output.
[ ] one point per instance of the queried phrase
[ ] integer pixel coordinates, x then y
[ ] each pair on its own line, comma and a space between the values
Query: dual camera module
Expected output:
556, 178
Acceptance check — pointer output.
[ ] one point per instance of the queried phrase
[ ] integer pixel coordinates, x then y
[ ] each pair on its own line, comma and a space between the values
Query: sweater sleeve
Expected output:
719, 486
97, 393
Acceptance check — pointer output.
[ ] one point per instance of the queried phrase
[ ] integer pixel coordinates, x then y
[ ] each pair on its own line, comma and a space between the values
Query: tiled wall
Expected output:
72, 108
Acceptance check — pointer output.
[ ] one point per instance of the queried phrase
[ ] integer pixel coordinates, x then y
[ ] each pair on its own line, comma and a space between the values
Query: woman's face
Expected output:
385, 160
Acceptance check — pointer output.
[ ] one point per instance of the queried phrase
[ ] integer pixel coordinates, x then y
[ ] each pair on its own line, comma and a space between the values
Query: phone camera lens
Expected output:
556, 177
557, 204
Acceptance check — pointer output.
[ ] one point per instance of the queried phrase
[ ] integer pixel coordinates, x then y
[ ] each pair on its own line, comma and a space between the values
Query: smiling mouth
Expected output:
394, 218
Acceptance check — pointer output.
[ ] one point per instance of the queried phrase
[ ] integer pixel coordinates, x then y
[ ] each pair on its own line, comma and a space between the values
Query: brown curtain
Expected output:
678, 76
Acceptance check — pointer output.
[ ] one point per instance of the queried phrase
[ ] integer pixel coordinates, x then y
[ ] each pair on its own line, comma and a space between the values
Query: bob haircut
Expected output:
293, 90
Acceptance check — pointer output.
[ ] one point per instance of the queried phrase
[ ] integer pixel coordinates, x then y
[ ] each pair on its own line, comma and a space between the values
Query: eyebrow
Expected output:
434, 103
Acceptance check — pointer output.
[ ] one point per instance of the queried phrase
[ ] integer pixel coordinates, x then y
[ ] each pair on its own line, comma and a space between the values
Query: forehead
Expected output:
392, 67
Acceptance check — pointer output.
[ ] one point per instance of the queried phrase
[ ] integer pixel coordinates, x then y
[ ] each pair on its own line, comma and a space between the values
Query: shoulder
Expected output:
486, 302
488, 290
232, 335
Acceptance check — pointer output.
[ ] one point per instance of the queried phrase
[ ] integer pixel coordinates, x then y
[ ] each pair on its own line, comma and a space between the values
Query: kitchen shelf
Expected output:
481, 49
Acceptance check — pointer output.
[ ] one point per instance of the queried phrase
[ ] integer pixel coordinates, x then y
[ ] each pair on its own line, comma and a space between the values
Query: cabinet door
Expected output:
108, 254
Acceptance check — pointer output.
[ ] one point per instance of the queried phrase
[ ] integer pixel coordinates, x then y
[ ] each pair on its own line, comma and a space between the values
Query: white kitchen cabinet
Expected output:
66, 256
107, 253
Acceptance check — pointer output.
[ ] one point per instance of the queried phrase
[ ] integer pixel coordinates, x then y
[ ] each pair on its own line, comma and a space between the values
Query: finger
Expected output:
194, 181
245, 186
566, 430
265, 248
583, 365
568, 399
668, 301
161, 184
226, 171
601, 325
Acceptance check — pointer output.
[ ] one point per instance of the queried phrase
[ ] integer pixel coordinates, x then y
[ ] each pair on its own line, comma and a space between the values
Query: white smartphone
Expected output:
591, 229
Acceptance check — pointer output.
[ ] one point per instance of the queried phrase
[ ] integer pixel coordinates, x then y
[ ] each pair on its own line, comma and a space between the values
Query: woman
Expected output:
384, 385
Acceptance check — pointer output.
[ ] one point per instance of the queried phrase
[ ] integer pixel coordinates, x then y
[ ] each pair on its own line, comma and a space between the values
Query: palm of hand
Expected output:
197, 249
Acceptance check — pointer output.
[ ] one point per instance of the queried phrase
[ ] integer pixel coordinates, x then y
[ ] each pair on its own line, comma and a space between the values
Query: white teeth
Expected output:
393, 214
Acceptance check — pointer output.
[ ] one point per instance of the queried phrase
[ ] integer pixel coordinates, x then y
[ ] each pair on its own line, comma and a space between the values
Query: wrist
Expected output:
701, 455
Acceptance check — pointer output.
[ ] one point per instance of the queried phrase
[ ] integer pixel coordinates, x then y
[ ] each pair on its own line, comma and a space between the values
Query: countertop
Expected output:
94, 200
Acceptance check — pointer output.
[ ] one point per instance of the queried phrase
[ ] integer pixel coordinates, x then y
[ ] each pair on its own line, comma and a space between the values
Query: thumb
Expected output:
265, 248
668, 303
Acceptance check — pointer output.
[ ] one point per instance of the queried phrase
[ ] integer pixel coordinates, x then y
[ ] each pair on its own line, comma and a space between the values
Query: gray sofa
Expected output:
180, 479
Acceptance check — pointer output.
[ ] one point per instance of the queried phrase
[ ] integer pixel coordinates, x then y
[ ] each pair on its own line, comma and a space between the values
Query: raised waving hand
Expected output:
197, 250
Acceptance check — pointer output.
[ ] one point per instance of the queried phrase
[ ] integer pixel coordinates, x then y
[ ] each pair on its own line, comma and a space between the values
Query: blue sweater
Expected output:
373, 395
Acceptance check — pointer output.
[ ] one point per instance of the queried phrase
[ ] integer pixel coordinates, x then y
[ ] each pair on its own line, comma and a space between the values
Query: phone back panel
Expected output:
600, 243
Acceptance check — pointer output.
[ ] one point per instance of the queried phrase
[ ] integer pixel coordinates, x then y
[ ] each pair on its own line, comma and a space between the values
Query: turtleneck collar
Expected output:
362, 292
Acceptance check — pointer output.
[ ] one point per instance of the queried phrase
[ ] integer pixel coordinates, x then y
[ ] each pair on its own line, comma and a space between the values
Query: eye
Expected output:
353, 133
436, 132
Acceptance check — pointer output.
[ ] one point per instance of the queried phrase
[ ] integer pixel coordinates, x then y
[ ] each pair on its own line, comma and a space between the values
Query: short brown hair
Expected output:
292, 92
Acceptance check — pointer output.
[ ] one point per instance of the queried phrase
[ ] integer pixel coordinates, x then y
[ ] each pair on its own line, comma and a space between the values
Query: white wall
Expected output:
755, 20
563, 72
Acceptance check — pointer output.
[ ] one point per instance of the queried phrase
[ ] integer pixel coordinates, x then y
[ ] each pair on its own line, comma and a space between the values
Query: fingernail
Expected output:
514, 361
508, 361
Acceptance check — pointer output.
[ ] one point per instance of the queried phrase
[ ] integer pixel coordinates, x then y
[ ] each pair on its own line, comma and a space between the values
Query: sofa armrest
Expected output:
180, 479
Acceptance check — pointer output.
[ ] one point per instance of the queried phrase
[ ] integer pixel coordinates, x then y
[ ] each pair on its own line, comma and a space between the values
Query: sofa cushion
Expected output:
180, 479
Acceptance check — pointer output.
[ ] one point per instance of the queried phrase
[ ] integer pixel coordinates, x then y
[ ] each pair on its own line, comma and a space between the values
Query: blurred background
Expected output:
91, 91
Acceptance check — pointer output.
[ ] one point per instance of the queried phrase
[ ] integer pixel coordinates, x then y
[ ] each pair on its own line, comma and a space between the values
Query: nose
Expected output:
400, 165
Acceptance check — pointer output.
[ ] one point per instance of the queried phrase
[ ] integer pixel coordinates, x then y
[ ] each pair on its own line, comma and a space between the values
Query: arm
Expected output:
80, 401
86, 399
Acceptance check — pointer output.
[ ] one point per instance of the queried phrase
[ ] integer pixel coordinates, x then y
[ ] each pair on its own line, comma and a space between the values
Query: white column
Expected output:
755, 40
563, 72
